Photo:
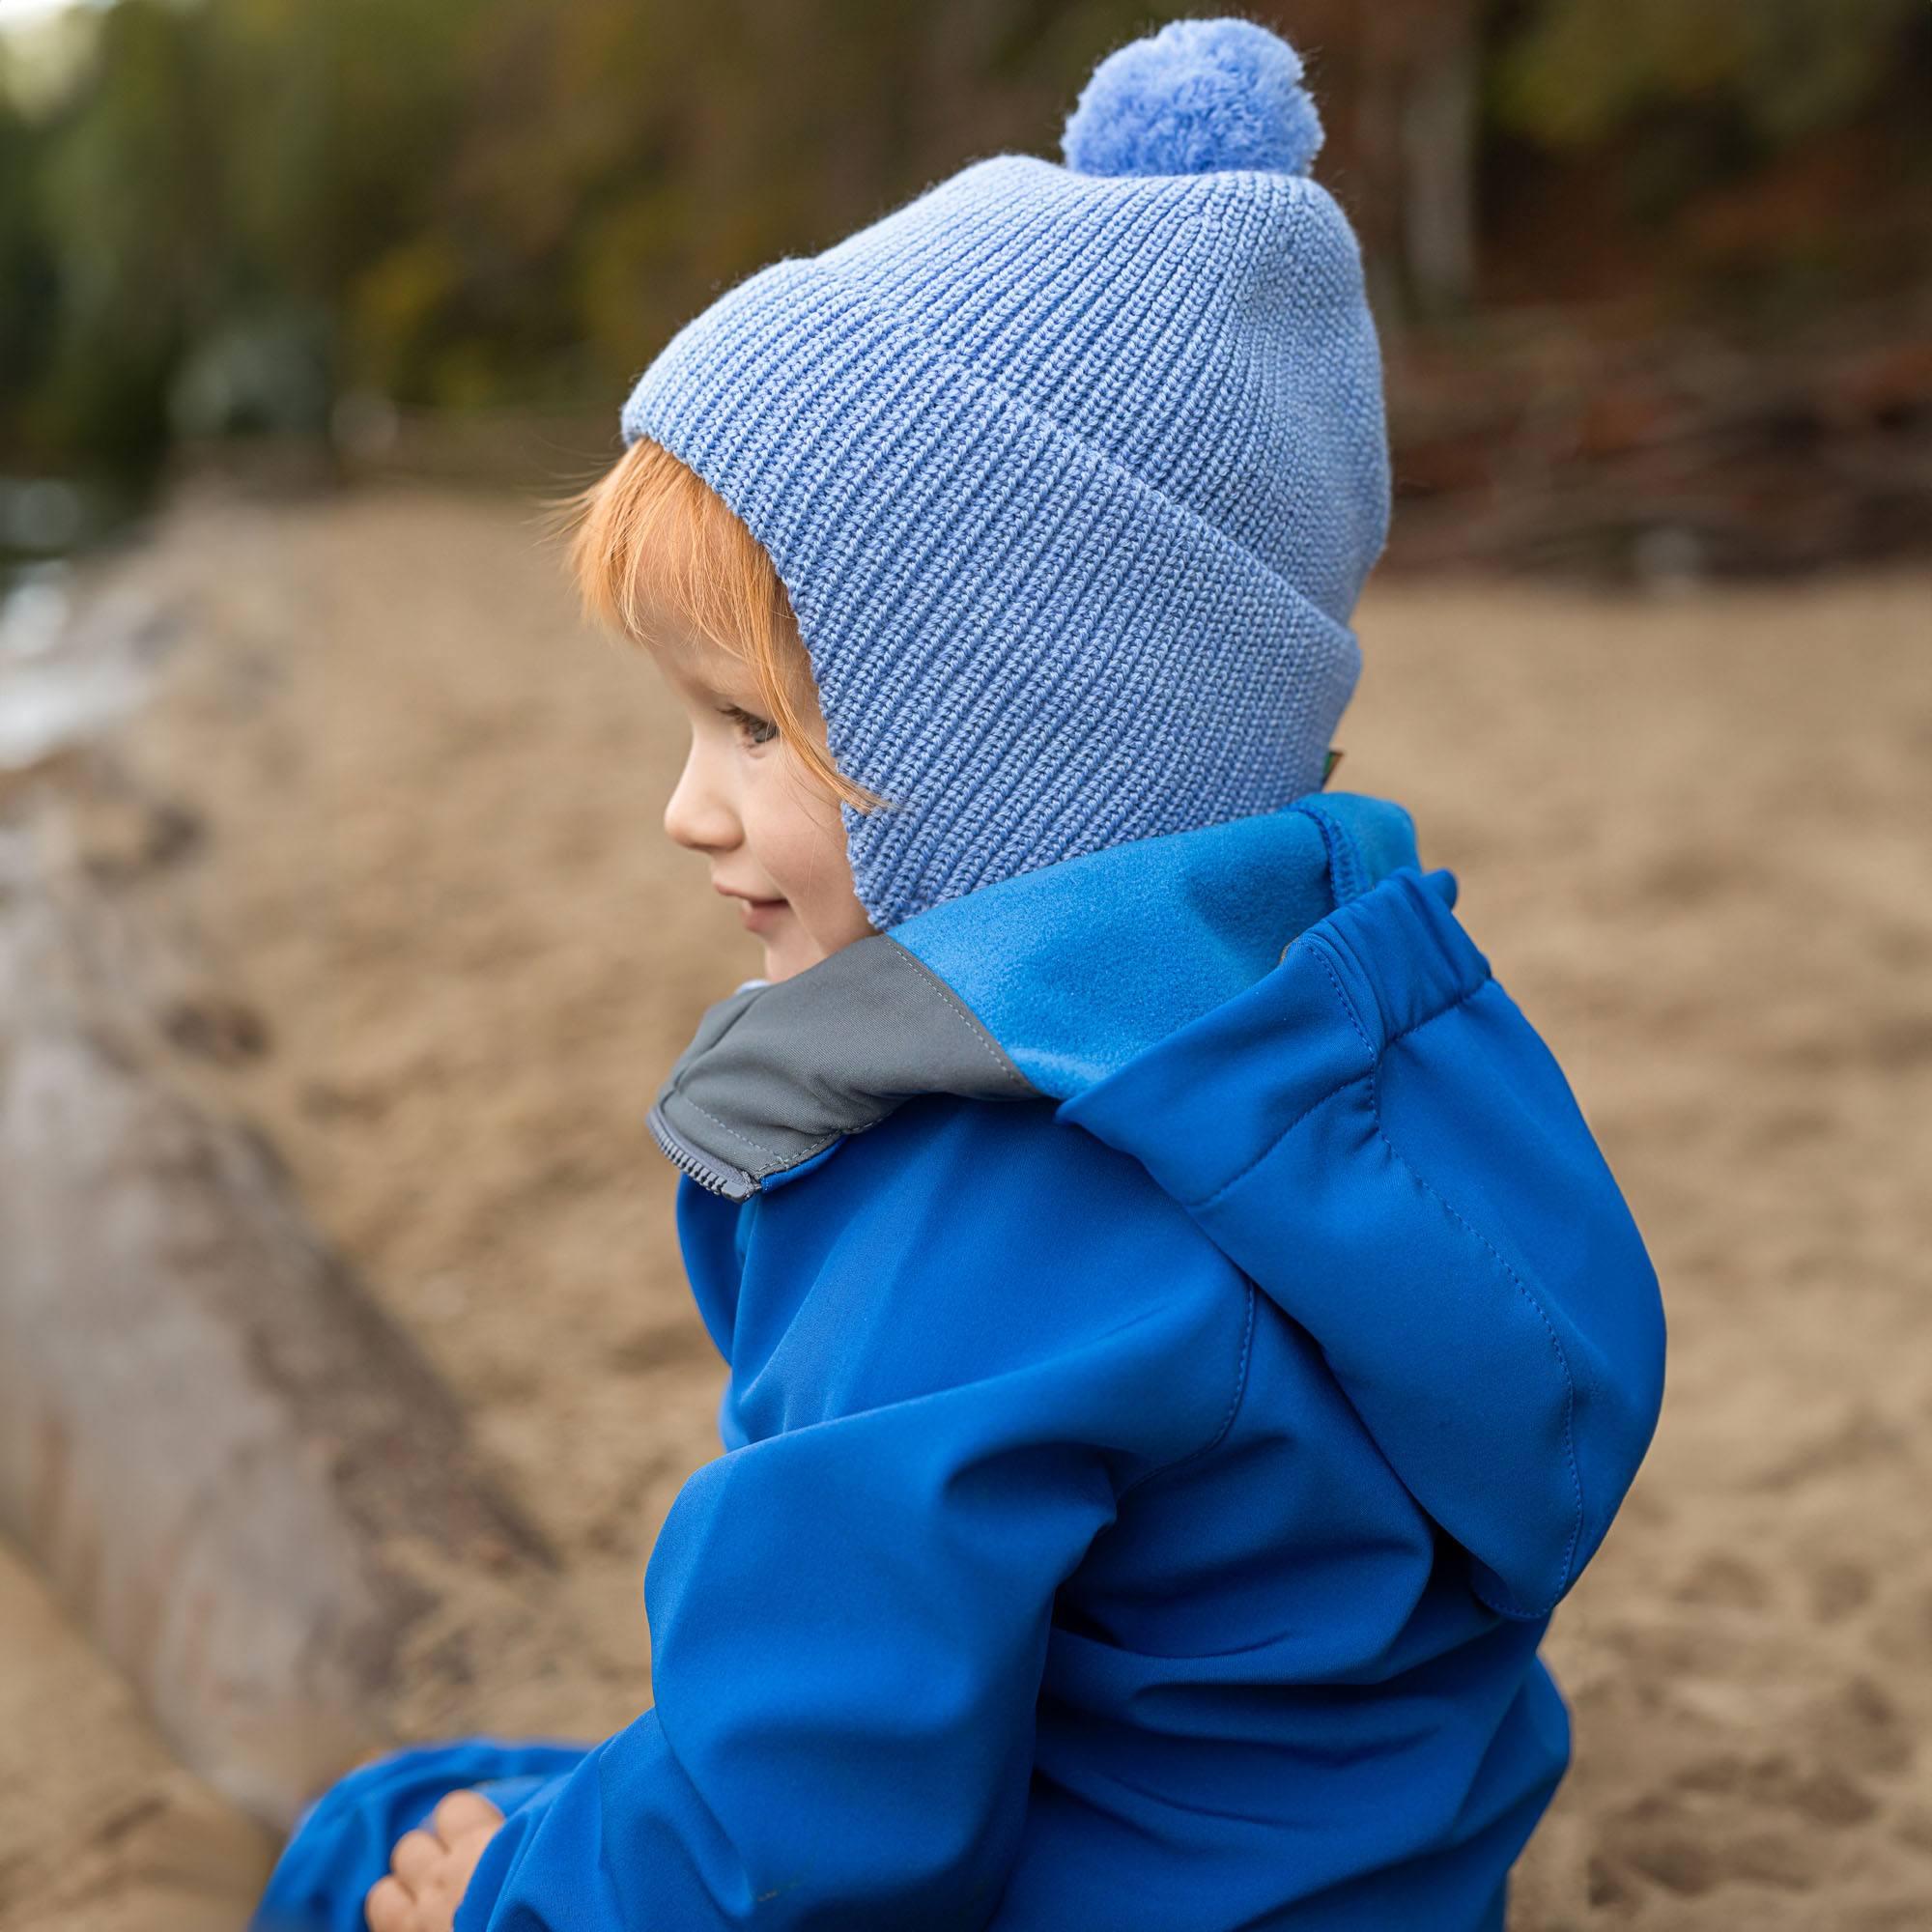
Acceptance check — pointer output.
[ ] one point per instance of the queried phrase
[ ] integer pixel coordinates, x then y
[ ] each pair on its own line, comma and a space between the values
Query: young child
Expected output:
1183, 1339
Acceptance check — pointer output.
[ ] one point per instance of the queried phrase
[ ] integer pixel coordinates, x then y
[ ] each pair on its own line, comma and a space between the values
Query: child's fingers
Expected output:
417, 1855
426, 1870
388, 1908
463, 1812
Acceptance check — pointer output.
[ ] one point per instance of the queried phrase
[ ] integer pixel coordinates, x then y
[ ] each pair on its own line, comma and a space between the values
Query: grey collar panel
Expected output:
781, 1070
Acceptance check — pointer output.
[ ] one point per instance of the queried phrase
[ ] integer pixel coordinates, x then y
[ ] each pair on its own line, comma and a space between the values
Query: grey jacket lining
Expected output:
777, 1070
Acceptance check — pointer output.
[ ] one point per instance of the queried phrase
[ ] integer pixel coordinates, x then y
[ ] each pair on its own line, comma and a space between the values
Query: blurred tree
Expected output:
129, 188
1712, 151
27, 264
1578, 70
232, 208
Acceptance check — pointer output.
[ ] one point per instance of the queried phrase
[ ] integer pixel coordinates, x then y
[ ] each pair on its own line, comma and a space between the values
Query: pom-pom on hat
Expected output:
1073, 475
1197, 97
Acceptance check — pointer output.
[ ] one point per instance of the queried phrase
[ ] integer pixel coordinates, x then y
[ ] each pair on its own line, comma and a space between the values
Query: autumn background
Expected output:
346, 1368
1662, 266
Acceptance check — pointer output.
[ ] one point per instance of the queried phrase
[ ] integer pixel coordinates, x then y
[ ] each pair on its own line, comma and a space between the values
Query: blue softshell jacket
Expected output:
1183, 1342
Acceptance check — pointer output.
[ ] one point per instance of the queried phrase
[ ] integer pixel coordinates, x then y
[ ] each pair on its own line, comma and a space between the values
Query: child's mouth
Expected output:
757, 914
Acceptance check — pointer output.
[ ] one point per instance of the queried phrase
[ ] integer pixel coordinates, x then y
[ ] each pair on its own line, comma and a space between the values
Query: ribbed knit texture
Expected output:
1073, 479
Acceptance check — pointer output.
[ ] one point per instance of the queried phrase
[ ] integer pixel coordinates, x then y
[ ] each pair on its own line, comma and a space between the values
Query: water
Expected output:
68, 666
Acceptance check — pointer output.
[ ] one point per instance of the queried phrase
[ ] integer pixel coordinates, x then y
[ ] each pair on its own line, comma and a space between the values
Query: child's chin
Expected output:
791, 950
792, 953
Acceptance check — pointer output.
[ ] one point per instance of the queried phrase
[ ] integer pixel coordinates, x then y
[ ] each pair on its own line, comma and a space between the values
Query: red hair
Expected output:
650, 541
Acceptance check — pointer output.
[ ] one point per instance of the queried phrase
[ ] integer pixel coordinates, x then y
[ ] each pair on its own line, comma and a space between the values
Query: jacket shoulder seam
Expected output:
1496, 1255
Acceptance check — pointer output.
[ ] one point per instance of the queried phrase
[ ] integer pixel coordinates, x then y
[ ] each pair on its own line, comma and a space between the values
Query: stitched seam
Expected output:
782, 1161
772, 1158
723, 1032
1341, 1087
1241, 1378
758, 1147
1242, 1173
1243, 1363
1324, 948
1349, 1012
924, 976
1417, 1026
675, 1087
1347, 871
1548, 1329
1496, 1255
1320, 1101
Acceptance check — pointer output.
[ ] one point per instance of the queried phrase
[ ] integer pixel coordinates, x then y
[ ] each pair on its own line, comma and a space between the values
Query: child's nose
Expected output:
697, 814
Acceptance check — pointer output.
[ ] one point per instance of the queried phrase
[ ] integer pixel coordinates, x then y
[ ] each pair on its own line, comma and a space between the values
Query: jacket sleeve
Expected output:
851, 1616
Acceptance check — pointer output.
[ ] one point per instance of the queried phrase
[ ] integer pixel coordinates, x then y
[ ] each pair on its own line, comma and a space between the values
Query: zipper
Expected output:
730, 1182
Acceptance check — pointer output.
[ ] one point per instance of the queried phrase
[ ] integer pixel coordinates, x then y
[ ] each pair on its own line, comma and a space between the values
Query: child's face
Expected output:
773, 838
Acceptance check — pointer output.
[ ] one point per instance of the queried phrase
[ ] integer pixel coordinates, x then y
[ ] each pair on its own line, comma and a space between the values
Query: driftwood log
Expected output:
226, 1459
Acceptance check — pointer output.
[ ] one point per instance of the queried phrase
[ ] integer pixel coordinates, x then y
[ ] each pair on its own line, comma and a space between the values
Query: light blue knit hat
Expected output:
1073, 473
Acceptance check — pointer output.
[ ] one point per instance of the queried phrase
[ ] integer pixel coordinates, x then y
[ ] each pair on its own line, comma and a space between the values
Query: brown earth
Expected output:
1694, 836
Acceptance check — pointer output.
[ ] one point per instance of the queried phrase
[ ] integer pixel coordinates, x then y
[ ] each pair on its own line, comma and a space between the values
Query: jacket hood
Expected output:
1281, 1019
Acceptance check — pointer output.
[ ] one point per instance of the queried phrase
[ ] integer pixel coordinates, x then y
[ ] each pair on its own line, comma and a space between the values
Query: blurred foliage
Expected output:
229, 214
1581, 70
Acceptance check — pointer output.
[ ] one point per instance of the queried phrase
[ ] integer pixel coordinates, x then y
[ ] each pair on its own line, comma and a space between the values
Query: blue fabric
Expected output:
341, 1844
1140, 1505
1073, 475
1077, 973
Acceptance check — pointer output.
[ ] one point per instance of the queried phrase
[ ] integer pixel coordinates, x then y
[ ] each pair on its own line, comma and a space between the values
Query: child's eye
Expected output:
757, 731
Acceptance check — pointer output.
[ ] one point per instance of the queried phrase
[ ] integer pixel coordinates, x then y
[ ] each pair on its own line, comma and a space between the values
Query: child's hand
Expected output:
430, 1867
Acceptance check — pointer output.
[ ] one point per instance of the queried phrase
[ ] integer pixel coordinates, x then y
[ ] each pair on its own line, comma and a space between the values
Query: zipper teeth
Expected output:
707, 1174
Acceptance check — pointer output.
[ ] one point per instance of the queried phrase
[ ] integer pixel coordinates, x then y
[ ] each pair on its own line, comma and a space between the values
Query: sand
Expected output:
99, 1829
1694, 834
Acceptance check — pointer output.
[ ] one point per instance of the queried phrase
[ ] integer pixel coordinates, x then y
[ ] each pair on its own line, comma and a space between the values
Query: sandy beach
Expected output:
1694, 834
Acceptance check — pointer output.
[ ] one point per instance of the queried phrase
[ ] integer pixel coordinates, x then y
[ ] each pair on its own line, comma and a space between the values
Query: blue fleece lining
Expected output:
1076, 969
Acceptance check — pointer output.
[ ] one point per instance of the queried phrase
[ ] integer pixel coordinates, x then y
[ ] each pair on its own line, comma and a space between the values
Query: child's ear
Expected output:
1334, 759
